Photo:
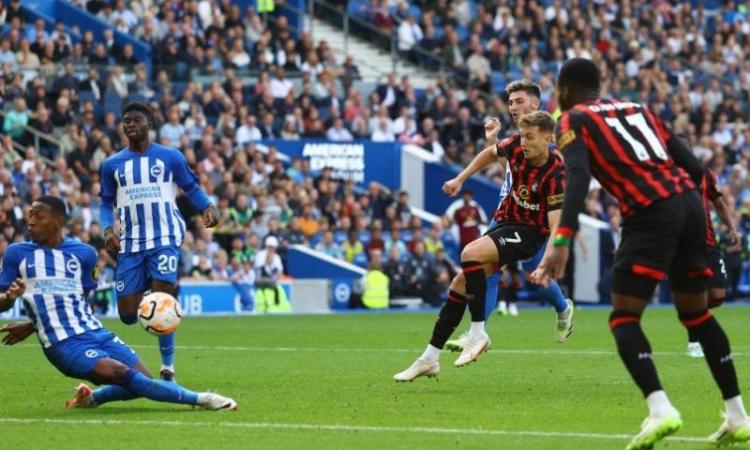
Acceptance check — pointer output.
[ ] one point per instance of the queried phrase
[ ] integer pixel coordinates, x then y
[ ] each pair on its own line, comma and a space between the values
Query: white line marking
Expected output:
500, 351
339, 427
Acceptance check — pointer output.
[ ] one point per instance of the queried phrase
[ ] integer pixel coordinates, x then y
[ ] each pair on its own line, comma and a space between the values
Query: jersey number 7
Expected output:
639, 122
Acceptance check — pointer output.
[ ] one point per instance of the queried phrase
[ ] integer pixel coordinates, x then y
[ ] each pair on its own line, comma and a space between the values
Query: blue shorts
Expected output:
136, 270
76, 356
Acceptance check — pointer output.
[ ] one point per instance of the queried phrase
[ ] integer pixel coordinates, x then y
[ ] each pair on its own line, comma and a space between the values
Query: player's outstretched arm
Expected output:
17, 332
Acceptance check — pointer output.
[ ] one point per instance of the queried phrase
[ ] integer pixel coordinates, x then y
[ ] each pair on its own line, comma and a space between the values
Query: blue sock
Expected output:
160, 391
112, 393
166, 347
492, 286
553, 294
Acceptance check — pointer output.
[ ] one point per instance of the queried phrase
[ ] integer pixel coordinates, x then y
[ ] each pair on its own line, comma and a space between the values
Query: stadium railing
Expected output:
38, 136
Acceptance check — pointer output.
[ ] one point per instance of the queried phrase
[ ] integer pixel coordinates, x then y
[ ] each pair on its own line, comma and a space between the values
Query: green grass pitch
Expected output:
325, 382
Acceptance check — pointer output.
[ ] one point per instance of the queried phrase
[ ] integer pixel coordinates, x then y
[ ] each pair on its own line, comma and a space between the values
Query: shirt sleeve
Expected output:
108, 188
9, 268
555, 189
188, 181
90, 270
504, 147
576, 154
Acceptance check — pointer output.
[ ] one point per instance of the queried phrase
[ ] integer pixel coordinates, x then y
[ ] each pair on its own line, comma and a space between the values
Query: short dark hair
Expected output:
525, 85
580, 73
55, 203
141, 108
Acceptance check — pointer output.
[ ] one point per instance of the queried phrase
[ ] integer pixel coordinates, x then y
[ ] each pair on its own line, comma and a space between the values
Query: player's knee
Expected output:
129, 318
109, 371
458, 283
470, 252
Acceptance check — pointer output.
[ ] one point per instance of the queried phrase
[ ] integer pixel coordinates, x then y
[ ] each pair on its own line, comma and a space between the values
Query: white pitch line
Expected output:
340, 427
225, 348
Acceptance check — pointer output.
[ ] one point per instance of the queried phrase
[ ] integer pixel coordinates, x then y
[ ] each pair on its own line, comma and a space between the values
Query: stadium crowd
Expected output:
691, 65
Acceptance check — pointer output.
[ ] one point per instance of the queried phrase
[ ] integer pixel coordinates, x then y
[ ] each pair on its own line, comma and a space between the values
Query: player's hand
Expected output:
17, 332
452, 187
552, 266
16, 289
492, 129
734, 237
111, 241
209, 217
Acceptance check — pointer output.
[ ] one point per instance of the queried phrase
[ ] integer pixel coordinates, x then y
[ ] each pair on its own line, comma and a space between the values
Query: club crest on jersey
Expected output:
73, 266
523, 192
565, 139
156, 171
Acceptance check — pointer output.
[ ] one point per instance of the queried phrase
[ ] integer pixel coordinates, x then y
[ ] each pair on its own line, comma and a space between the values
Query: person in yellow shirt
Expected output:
307, 223
433, 243
352, 246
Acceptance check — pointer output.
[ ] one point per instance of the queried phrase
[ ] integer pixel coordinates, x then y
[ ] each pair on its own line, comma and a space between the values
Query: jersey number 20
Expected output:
638, 121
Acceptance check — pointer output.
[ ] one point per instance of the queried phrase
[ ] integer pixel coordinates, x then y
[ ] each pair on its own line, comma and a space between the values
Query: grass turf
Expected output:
335, 372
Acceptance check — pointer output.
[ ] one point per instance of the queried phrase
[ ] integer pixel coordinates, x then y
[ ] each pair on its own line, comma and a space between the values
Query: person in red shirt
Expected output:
467, 218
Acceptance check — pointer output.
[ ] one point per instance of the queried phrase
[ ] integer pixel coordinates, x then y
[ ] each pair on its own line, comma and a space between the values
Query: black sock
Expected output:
715, 343
691, 335
476, 289
450, 316
634, 349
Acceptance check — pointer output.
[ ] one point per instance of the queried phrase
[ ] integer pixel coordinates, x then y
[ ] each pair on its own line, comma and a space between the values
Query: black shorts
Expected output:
668, 237
716, 263
515, 242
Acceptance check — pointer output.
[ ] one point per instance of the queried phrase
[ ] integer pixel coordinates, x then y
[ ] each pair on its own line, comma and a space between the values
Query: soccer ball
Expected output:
159, 313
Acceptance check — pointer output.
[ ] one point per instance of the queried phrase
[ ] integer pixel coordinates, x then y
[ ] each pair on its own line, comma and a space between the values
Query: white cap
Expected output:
271, 241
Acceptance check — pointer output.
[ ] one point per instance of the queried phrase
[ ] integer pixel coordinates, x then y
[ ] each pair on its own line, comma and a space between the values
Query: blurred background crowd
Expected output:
223, 78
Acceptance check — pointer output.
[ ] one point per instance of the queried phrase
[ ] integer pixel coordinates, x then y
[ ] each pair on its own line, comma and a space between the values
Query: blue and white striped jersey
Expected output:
57, 281
507, 185
143, 187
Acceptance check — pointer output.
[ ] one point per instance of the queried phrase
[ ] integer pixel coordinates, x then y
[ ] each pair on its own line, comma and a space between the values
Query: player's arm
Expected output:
722, 209
187, 180
106, 211
12, 284
577, 180
679, 149
17, 332
487, 156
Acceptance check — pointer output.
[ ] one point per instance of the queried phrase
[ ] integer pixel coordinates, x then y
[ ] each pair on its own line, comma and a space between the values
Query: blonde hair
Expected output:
541, 119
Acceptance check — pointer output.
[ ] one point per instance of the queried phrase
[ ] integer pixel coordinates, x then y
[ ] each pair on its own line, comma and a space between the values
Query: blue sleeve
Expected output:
89, 273
188, 181
107, 194
9, 268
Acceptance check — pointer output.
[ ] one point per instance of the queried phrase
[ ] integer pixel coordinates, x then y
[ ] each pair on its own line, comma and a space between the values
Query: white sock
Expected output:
431, 354
476, 328
169, 368
735, 409
658, 404
201, 398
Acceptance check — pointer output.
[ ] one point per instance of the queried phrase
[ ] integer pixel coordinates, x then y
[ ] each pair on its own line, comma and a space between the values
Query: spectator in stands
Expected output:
268, 268
353, 246
16, 119
468, 218
409, 34
422, 275
338, 132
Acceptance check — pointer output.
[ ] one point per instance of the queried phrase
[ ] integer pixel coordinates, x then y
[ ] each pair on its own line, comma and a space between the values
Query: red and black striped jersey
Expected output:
709, 193
627, 151
535, 191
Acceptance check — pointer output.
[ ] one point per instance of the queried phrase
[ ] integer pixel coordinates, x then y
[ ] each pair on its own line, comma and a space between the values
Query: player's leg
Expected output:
130, 283
162, 271
553, 294
111, 371
690, 278
514, 287
449, 318
716, 296
649, 244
